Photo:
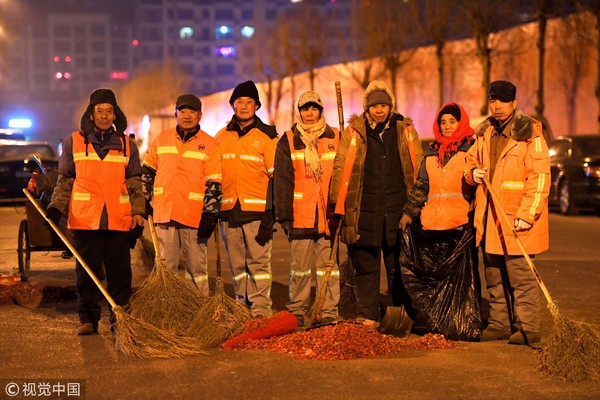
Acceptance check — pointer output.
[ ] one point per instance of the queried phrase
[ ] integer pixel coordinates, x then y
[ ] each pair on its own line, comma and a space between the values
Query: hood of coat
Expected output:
380, 86
521, 129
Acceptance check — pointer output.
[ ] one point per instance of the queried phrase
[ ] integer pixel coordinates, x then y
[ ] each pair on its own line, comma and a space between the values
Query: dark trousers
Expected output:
106, 253
367, 262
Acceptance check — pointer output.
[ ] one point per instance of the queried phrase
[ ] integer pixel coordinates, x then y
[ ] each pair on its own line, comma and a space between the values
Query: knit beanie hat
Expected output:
378, 97
245, 89
451, 109
310, 98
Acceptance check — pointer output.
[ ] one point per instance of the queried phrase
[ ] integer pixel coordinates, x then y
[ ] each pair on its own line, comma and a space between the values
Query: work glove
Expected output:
333, 220
265, 231
54, 215
287, 228
521, 225
207, 226
134, 234
479, 174
149, 209
405, 221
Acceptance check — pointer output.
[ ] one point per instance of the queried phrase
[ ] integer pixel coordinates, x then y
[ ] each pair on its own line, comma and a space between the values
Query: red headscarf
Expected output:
450, 144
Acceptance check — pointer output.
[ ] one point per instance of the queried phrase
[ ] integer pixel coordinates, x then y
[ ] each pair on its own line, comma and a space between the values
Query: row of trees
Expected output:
385, 34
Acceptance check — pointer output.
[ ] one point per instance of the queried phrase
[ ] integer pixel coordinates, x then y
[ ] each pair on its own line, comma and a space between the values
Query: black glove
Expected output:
265, 231
135, 234
287, 228
207, 226
149, 209
54, 215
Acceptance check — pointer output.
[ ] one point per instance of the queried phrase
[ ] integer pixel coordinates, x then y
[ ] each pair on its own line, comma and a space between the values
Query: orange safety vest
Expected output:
308, 194
247, 163
448, 201
99, 183
182, 170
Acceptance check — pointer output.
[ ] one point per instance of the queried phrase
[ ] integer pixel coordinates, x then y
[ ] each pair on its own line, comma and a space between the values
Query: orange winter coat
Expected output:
308, 194
182, 170
522, 182
247, 165
449, 198
99, 182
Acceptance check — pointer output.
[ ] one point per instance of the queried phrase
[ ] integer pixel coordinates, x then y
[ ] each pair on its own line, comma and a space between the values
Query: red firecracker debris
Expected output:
344, 341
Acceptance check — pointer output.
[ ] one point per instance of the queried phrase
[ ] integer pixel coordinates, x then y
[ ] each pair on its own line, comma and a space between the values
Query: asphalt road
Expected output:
39, 345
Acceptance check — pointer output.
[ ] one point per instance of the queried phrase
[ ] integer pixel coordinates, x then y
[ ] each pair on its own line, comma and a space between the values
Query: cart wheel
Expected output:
24, 251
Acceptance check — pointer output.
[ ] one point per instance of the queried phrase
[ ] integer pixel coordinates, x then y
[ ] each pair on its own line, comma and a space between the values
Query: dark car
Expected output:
575, 173
17, 164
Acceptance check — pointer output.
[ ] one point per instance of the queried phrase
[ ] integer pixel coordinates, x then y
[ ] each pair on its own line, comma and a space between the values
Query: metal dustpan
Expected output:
396, 322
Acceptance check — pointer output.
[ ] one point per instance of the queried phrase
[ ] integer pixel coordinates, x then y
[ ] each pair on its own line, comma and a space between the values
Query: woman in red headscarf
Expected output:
439, 259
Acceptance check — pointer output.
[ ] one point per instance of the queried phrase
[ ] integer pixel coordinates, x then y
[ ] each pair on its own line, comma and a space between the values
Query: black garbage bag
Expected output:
440, 274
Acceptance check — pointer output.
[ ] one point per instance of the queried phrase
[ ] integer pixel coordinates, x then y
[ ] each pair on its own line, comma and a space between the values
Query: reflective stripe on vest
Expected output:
448, 200
310, 196
179, 185
99, 183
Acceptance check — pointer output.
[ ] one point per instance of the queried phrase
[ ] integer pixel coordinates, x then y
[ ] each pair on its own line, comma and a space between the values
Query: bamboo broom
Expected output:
221, 316
572, 351
133, 337
164, 299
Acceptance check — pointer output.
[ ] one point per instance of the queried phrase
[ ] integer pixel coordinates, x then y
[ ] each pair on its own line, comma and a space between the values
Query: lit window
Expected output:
186, 32
223, 32
247, 31
225, 51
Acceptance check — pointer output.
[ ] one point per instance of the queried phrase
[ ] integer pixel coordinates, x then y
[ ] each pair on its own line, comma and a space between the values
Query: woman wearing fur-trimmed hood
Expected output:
376, 166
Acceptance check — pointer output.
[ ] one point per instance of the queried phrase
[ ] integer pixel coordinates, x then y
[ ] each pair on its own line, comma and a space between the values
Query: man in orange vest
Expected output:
247, 150
99, 185
303, 167
182, 175
511, 150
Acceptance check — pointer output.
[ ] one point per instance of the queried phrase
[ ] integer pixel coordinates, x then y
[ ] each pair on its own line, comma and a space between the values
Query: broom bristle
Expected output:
572, 351
166, 301
134, 337
218, 319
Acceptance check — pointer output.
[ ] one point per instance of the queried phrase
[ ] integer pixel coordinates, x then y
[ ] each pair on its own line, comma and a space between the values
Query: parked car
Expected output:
17, 166
575, 173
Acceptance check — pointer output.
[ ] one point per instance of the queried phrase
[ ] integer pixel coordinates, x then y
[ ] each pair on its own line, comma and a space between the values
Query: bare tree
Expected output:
266, 58
593, 6
434, 19
393, 34
153, 89
574, 41
483, 17
362, 64
311, 31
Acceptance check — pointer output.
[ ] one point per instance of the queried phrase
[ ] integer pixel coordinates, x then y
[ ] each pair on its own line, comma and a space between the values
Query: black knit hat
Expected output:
245, 89
503, 91
103, 95
451, 109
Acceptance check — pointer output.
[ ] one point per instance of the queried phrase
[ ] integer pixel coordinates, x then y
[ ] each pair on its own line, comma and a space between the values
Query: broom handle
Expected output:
501, 211
154, 236
71, 248
330, 263
338, 97
218, 245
